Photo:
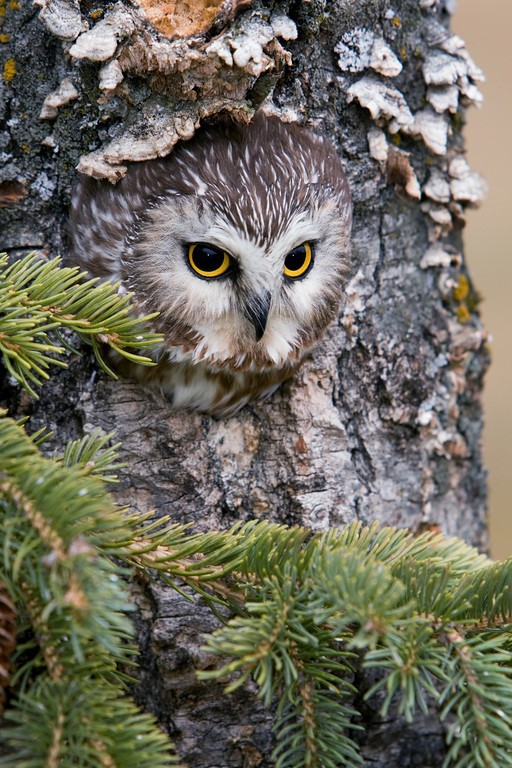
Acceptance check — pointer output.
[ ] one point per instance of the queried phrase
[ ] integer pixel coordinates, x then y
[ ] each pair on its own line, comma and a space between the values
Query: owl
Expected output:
240, 240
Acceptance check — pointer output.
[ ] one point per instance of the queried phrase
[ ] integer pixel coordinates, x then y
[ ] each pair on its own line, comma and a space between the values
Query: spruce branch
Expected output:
311, 728
71, 722
94, 456
60, 527
40, 299
431, 613
278, 643
397, 599
479, 672
486, 594
412, 659
303, 605
8, 615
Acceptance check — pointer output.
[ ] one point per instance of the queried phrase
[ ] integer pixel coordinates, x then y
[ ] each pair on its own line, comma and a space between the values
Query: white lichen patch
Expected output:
284, 27
360, 49
384, 103
162, 138
439, 255
450, 72
111, 75
220, 48
95, 165
440, 214
444, 98
433, 129
383, 60
450, 78
249, 51
43, 186
65, 93
248, 47
158, 141
466, 185
355, 50
100, 42
443, 69
470, 93
62, 18
378, 145
437, 187
455, 46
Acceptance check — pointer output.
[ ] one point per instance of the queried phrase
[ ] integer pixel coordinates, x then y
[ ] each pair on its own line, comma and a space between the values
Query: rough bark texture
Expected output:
384, 421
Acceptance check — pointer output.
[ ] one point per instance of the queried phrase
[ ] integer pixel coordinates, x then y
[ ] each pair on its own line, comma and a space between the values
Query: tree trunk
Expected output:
384, 420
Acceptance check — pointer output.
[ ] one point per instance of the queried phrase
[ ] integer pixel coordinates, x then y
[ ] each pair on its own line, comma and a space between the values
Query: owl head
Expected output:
243, 246
239, 239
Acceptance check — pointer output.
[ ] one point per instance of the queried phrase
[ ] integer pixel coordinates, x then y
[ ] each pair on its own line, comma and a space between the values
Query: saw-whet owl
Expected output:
240, 240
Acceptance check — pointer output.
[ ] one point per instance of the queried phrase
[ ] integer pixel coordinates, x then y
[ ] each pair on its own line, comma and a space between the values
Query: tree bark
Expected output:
384, 420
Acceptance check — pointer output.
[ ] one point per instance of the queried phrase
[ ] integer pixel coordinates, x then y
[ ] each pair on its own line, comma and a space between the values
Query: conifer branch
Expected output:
40, 299
478, 694
94, 456
7, 641
69, 694
303, 604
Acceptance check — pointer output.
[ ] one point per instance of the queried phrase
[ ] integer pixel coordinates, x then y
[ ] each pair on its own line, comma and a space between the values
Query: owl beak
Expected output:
256, 310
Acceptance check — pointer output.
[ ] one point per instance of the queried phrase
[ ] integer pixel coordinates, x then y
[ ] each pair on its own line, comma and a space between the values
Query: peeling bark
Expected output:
384, 421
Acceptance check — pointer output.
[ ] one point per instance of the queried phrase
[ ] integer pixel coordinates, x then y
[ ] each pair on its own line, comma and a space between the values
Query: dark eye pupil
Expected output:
207, 258
295, 258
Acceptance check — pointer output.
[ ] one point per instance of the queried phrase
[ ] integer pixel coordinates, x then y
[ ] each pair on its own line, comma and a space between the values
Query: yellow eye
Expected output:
299, 261
208, 260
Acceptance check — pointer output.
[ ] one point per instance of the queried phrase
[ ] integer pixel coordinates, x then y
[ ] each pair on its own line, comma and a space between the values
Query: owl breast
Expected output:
240, 240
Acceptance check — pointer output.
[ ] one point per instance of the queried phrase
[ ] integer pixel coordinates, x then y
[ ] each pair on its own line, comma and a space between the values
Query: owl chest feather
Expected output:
198, 387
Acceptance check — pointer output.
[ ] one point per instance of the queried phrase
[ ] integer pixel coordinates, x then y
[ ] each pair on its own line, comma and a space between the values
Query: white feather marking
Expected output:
200, 186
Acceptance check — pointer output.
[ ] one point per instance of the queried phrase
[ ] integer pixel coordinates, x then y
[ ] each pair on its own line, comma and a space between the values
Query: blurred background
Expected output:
485, 26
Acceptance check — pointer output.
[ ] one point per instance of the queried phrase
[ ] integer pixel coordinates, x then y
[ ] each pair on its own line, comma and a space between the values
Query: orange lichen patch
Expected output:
181, 18
9, 70
11, 192
4, 38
